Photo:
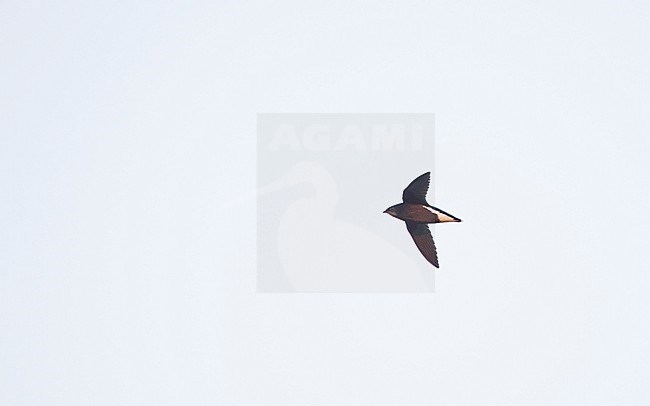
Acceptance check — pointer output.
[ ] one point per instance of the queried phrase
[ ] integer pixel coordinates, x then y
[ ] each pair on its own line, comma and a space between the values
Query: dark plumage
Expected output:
417, 213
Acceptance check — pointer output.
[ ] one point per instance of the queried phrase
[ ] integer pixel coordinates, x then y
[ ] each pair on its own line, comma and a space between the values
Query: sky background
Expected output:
124, 128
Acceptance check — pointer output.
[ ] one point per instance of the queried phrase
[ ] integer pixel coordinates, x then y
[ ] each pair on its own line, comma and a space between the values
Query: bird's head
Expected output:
391, 211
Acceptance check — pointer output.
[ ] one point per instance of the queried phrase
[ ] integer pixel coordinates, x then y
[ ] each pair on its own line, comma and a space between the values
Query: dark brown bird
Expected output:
417, 213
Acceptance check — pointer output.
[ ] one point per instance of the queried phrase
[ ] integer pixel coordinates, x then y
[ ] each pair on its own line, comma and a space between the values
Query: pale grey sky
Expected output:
125, 127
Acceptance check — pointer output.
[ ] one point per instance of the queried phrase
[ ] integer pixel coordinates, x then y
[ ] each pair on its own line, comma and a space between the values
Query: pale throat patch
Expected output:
442, 217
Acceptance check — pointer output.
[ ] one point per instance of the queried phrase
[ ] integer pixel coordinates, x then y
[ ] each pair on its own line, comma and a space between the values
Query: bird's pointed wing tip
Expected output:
424, 241
416, 191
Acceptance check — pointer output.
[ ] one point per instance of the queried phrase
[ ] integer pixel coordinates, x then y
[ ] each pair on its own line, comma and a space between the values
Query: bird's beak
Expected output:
386, 211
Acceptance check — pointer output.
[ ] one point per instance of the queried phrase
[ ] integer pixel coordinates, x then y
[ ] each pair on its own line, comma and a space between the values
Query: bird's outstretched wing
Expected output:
416, 191
423, 239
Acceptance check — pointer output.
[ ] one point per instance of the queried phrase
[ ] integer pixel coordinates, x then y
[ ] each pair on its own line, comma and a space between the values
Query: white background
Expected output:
124, 127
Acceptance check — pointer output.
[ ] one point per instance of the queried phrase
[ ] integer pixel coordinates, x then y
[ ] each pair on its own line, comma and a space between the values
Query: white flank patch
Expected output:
442, 217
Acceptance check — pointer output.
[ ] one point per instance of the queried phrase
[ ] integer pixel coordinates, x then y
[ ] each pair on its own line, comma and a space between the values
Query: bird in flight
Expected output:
417, 213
